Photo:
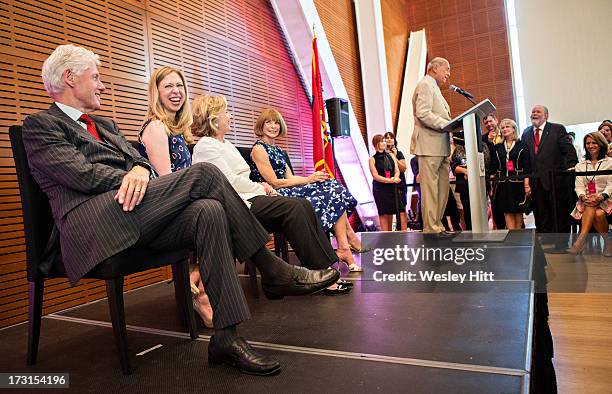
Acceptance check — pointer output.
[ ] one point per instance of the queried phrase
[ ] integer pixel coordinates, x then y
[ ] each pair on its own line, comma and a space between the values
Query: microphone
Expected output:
461, 91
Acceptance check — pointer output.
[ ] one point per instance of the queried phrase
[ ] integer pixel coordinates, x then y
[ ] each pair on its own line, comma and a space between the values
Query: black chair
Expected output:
44, 261
281, 246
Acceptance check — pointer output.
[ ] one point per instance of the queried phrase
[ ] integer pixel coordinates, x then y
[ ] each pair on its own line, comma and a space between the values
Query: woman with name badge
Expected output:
510, 162
385, 174
593, 193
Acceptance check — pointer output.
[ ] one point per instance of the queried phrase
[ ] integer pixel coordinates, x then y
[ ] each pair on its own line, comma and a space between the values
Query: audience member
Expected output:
414, 166
458, 164
492, 136
163, 141
431, 145
550, 149
605, 128
451, 214
331, 201
385, 174
593, 193
491, 133
576, 145
293, 216
105, 198
511, 159
398, 155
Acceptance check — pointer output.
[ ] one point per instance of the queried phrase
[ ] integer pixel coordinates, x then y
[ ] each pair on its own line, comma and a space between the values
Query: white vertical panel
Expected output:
566, 52
297, 17
373, 61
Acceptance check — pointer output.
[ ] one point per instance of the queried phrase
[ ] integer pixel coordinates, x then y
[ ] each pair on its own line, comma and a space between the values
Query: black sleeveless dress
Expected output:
385, 193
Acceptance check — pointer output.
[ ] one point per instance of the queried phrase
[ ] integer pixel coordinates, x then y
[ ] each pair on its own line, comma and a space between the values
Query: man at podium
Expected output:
432, 145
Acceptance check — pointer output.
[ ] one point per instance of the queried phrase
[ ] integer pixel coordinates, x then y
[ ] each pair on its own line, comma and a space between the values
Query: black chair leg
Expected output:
281, 247
251, 270
285, 249
182, 295
114, 290
35, 290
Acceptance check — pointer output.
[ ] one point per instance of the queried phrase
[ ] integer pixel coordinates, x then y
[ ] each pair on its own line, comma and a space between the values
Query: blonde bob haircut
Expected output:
270, 114
511, 123
206, 111
183, 119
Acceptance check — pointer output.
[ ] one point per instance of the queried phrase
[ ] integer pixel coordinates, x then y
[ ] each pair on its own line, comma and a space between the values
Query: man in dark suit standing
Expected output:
550, 149
105, 198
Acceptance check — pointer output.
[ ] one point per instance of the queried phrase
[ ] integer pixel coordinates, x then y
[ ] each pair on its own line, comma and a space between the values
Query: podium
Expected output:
470, 122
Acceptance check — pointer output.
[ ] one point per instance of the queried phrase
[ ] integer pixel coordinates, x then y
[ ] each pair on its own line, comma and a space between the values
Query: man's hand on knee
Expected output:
133, 188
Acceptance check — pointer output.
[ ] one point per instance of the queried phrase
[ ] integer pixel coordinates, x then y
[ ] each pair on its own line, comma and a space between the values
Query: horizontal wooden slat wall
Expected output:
232, 47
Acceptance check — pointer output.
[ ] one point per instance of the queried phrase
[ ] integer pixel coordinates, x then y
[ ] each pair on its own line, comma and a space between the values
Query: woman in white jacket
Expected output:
593, 192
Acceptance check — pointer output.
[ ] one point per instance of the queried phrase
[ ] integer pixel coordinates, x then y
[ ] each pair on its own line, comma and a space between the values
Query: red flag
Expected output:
322, 152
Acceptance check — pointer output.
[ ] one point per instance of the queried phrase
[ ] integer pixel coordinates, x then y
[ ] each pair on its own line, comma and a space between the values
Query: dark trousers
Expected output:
497, 212
196, 208
296, 218
544, 212
452, 211
467, 212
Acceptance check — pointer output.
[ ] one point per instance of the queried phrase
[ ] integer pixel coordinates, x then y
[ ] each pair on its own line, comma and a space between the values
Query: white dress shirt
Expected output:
72, 113
541, 128
603, 183
228, 159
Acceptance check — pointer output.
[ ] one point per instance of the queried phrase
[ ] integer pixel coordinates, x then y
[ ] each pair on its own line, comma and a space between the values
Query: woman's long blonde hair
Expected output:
206, 110
183, 119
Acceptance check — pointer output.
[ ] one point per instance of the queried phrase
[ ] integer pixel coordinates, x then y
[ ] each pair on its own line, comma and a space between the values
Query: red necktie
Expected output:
91, 127
537, 139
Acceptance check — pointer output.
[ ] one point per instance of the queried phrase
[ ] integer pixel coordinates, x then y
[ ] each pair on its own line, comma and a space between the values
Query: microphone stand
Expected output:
473, 102
463, 94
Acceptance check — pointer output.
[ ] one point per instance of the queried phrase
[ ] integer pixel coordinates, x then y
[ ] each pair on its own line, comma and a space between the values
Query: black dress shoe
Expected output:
302, 282
242, 356
339, 289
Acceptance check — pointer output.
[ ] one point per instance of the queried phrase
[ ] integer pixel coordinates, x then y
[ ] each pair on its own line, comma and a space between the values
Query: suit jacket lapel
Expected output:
445, 104
109, 137
56, 111
543, 137
441, 97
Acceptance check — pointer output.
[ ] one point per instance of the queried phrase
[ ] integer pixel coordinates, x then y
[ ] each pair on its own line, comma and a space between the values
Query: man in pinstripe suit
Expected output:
105, 198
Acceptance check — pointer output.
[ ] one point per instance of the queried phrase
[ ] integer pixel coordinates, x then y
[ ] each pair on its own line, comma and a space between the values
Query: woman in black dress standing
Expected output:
402, 188
458, 164
385, 172
511, 158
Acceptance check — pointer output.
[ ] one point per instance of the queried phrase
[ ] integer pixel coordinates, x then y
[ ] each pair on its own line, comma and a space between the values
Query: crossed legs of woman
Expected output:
592, 217
346, 238
201, 303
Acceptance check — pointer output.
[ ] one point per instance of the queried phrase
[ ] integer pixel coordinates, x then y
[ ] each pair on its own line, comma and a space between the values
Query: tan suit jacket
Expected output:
431, 113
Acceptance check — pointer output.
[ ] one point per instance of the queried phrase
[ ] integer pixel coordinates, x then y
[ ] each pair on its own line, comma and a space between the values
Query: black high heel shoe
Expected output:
339, 289
362, 250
